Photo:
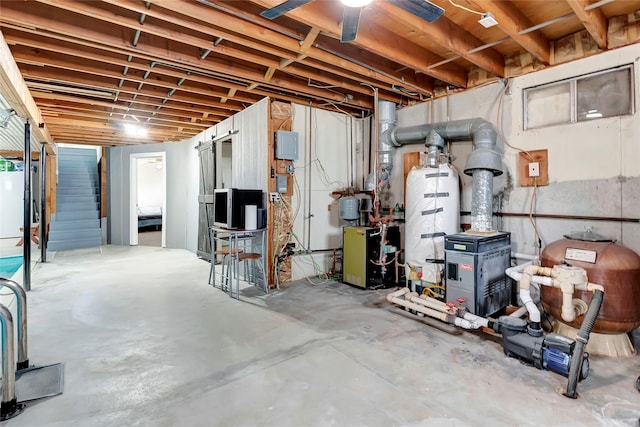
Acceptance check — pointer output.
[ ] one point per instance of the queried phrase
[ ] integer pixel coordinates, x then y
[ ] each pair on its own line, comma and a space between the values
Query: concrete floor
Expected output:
146, 342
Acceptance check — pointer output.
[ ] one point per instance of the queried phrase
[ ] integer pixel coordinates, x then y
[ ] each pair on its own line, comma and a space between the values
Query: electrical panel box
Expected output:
475, 267
361, 253
286, 145
281, 184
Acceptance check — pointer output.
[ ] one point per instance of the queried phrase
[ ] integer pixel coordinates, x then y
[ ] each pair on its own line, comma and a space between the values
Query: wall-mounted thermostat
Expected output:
286, 145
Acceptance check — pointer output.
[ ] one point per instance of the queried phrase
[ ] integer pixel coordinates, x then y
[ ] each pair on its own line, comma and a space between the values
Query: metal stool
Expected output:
254, 259
226, 259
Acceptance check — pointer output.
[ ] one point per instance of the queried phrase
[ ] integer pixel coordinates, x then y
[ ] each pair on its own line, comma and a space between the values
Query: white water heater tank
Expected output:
432, 211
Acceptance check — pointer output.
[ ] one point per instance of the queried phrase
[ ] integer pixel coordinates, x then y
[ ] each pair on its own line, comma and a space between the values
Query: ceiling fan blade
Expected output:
283, 8
350, 22
421, 8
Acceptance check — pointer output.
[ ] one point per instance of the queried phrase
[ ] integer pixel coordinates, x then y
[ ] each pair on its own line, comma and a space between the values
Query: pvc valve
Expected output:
450, 305
419, 274
461, 300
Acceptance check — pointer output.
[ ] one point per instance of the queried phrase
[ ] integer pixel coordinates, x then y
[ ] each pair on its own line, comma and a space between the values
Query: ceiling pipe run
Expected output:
482, 164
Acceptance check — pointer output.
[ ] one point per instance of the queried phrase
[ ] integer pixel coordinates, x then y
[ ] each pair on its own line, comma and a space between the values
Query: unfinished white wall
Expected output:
594, 166
182, 191
332, 156
11, 204
150, 192
249, 170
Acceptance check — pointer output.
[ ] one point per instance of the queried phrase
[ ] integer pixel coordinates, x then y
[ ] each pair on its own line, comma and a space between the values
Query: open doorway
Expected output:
147, 199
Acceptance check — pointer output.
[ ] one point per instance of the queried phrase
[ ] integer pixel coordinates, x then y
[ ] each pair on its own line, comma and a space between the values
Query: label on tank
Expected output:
459, 247
580, 255
467, 267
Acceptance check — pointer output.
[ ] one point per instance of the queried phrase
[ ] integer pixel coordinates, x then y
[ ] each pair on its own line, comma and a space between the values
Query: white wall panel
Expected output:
333, 153
249, 147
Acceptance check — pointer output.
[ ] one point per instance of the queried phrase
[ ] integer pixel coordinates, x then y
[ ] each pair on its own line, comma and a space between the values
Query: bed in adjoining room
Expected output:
150, 217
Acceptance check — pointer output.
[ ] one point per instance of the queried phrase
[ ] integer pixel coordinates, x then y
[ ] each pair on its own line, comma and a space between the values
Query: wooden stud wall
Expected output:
278, 217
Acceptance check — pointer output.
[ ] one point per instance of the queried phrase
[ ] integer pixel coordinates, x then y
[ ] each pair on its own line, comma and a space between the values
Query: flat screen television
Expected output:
229, 203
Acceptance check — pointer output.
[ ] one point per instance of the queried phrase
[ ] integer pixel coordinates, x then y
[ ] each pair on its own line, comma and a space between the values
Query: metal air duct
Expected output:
482, 164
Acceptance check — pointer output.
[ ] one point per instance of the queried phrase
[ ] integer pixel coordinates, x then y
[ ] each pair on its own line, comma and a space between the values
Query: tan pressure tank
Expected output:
615, 267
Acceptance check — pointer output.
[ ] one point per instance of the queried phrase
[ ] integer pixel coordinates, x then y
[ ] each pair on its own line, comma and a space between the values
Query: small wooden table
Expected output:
35, 235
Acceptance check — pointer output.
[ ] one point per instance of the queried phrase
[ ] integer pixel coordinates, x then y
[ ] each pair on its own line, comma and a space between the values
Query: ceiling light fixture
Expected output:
135, 131
488, 20
355, 3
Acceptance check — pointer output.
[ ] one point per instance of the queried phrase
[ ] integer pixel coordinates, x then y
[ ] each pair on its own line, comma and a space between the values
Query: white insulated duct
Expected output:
482, 164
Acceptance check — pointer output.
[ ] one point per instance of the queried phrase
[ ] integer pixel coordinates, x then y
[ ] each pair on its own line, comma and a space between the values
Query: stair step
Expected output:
78, 183
89, 191
68, 165
81, 198
76, 207
77, 216
53, 245
80, 152
78, 169
64, 235
72, 176
73, 225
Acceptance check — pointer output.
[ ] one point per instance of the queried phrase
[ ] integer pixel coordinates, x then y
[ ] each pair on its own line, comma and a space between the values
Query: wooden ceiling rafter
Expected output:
200, 43
593, 20
379, 41
445, 33
225, 70
512, 21
271, 34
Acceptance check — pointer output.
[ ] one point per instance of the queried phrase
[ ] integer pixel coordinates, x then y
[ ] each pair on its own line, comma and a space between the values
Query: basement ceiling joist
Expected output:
177, 67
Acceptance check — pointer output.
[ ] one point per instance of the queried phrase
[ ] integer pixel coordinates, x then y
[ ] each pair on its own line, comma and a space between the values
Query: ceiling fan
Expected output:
351, 15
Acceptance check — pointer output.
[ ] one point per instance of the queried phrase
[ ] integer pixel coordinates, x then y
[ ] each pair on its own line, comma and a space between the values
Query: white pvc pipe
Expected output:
568, 313
431, 303
516, 274
472, 322
519, 312
420, 308
480, 321
463, 323
527, 302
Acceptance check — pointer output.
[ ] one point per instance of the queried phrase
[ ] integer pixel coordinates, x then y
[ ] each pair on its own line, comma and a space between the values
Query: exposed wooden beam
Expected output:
269, 73
448, 34
511, 20
231, 94
379, 41
220, 49
35, 155
102, 35
309, 39
593, 20
268, 35
15, 91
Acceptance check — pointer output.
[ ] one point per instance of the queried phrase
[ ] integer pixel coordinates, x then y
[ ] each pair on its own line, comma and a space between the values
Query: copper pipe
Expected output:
560, 216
